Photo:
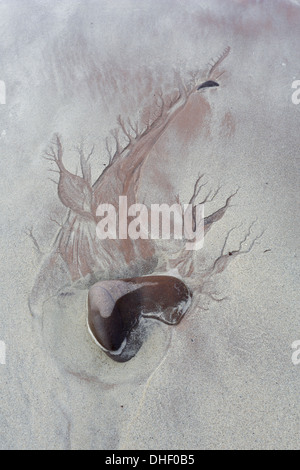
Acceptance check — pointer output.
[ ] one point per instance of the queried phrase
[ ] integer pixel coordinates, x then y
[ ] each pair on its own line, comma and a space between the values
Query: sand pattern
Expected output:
123, 99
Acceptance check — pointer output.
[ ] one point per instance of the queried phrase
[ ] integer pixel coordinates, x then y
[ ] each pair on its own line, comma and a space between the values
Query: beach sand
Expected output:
223, 378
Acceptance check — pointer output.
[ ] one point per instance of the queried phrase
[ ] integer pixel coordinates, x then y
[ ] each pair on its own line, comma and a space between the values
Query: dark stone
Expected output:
115, 310
209, 84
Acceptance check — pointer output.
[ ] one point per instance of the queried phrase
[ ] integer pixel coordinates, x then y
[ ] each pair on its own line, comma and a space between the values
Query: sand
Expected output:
224, 378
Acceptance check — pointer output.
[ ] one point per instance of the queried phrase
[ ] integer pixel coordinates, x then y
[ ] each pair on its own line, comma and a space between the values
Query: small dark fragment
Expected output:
209, 84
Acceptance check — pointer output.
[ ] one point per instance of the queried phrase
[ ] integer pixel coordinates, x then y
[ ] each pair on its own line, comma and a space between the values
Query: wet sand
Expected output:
224, 377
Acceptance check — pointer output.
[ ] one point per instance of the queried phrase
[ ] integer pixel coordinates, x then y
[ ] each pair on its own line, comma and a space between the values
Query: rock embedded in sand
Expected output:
116, 310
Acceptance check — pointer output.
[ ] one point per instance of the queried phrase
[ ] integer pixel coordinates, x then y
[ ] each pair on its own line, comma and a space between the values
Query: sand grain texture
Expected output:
223, 378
